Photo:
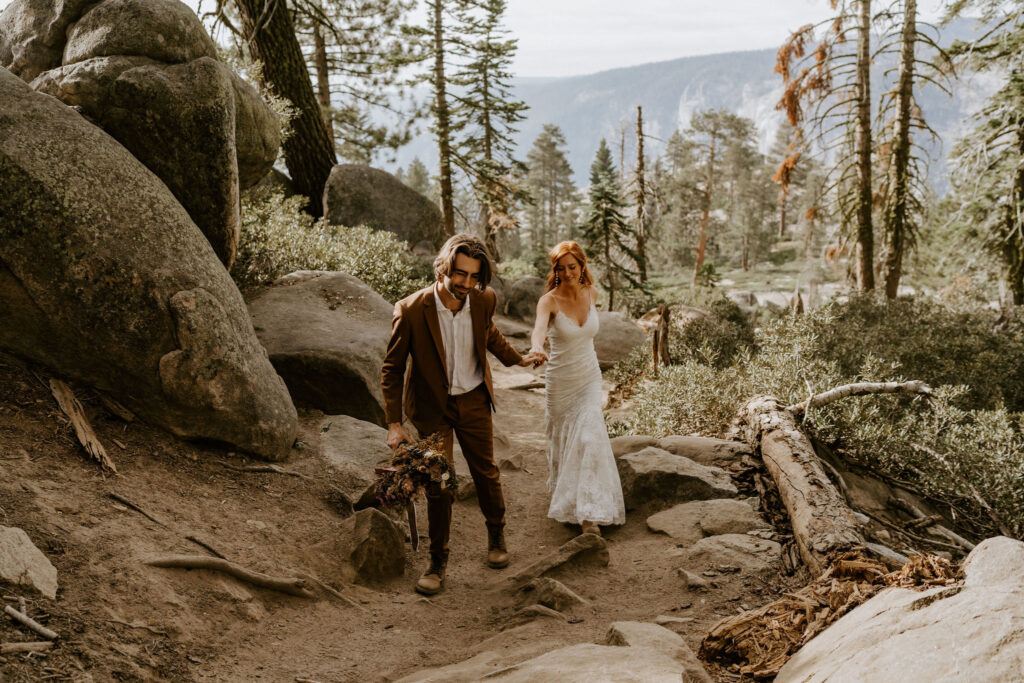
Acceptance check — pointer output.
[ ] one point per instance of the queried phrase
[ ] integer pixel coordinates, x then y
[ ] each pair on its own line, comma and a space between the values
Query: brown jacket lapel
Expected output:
430, 314
479, 315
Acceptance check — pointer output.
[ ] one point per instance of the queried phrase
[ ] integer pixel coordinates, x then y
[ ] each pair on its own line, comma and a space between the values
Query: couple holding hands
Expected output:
446, 330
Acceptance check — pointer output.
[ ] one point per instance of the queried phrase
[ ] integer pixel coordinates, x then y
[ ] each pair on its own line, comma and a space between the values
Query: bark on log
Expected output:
822, 522
860, 389
83, 429
292, 586
11, 648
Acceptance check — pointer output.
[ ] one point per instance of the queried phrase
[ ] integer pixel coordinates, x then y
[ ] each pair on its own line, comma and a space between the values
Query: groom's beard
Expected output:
455, 291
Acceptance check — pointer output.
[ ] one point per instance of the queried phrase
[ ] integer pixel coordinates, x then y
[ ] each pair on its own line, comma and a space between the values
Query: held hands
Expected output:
397, 435
533, 359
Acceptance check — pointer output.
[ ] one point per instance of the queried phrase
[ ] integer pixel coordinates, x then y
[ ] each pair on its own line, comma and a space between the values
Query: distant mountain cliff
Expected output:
600, 105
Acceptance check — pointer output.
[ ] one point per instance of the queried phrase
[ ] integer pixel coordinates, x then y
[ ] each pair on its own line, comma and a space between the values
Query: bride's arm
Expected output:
545, 309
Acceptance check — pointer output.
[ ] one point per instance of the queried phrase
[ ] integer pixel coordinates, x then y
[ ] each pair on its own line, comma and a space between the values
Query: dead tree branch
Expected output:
11, 648
861, 389
31, 623
138, 508
83, 429
289, 585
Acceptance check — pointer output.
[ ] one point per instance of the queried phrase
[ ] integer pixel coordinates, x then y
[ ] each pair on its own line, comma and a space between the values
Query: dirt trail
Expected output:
127, 621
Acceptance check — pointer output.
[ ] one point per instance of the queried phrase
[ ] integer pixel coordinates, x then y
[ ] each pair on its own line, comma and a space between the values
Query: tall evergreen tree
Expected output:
610, 239
485, 114
417, 177
551, 217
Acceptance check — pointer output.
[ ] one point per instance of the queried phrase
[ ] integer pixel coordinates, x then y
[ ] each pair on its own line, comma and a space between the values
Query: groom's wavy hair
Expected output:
569, 248
472, 247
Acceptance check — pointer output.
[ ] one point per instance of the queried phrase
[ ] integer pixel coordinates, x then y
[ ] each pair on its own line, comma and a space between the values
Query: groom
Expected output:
446, 329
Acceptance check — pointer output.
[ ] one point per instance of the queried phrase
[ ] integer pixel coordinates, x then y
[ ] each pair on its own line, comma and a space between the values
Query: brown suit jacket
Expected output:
416, 333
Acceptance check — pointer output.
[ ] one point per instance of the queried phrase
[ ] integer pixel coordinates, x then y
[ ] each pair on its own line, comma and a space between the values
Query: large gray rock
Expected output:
746, 553
33, 34
143, 104
104, 278
360, 195
973, 632
631, 443
353, 448
22, 564
616, 338
690, 522
705, 450
590, 663
659, 638
521, 297
146, 71
326, 334
655, 477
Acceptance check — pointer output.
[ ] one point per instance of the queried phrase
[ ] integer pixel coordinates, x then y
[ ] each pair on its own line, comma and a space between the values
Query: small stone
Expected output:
552, 593
692, 581
528, 614
23, 564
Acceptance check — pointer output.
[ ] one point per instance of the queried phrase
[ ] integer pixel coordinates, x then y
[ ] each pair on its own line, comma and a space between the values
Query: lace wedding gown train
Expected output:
583, 478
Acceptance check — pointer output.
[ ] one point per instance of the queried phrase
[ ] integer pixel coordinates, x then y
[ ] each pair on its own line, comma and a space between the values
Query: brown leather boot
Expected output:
497, 554
590, 528
432, 580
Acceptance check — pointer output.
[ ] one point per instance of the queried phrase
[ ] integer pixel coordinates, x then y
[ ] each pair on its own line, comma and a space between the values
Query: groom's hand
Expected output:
397, 435
534, 359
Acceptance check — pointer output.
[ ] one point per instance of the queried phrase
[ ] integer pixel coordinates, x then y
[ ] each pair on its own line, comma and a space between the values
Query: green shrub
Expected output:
278, 238
963, 440
714, 340
519, 268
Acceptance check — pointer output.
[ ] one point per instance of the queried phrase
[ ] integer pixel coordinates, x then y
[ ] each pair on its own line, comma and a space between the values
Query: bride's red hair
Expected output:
569, 248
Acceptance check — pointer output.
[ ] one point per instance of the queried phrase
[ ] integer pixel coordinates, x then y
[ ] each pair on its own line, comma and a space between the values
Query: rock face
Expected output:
326, 334
521, 297
656, 477
690, 522
616, 338
640, 634
146, 71
747, 553
360, 195
958, 633
700, 449
22, 564
353, 448
92, 240
589, 663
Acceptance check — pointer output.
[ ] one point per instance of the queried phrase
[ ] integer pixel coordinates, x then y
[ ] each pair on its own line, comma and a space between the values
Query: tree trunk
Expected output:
308, 151
782, 214
641, 192
611, 272
323, 82
897, 218
1013, 239
441, 113
706, 213
865, 234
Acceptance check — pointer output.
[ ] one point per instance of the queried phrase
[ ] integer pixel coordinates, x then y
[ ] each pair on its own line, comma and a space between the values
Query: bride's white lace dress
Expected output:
583, 478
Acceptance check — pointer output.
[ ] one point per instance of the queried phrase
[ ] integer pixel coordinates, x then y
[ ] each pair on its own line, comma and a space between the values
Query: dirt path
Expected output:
401, 632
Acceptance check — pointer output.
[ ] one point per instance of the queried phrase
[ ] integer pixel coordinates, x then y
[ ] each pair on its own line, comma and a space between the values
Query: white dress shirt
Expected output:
465, 372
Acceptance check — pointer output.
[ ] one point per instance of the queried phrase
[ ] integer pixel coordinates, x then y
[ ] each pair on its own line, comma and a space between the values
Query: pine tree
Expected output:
485, 115
417, 177
988, 162
609, 238
357, 51
551, 217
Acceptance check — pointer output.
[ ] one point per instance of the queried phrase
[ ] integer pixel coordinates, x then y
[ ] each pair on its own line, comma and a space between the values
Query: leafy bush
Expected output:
518, 268
962, 441
714, 340
278, 238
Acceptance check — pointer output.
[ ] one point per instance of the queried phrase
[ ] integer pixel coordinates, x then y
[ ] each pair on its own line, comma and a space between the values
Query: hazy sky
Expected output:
568, 37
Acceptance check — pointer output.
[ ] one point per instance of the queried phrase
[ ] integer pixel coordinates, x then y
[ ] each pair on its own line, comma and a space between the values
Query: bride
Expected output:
583, 478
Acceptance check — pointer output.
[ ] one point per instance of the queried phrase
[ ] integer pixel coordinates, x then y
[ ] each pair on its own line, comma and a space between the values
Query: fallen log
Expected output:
822, 522
289, 585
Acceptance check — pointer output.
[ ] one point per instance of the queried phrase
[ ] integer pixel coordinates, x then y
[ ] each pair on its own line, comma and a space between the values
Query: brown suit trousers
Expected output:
416, 334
